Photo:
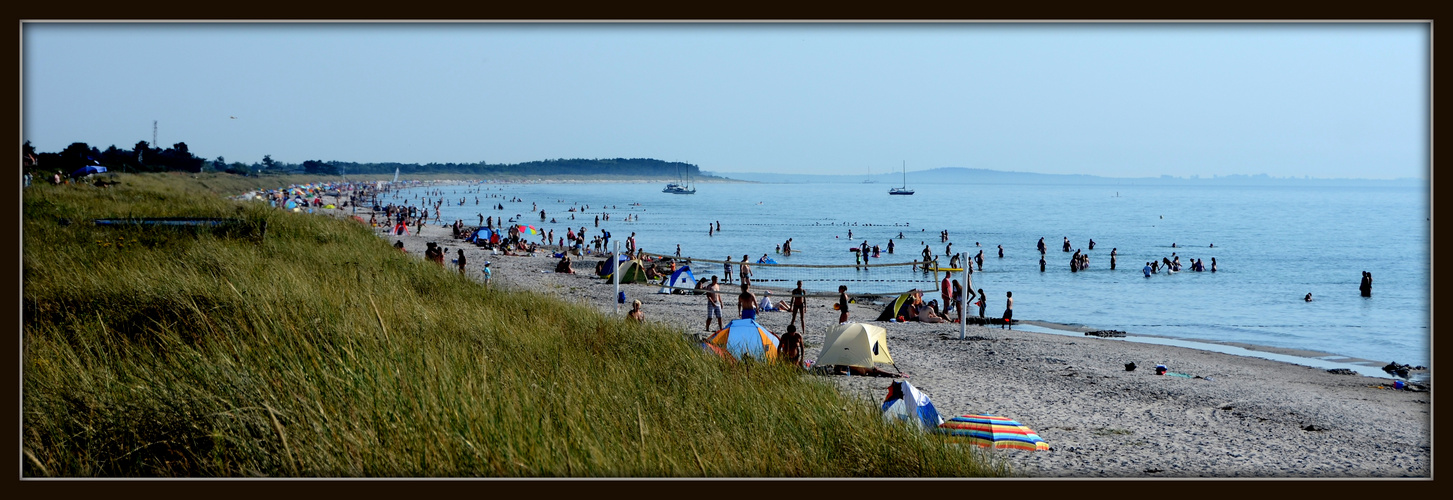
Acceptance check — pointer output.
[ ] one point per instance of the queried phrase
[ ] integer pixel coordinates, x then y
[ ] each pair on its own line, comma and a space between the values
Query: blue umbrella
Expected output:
88, 170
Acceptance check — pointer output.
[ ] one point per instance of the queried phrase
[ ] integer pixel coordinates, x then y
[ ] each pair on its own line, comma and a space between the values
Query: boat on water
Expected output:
902, 190
679, 187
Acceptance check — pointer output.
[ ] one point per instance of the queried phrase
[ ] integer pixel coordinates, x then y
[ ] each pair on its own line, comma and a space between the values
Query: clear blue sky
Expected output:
1117, 100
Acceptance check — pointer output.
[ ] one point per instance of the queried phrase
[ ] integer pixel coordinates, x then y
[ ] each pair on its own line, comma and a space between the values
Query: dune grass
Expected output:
319, 350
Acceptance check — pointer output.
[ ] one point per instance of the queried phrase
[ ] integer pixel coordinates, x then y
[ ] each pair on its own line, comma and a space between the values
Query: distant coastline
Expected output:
959, 175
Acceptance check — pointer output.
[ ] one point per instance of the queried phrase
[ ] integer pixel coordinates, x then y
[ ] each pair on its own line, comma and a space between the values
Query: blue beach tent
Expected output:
906, 402
681, 278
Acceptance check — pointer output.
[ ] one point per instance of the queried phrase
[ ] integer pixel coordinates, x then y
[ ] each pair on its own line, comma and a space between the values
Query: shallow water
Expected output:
1273, 245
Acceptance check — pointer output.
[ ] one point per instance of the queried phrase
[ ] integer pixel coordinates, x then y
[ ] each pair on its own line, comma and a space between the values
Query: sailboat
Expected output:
869, 178
903, 190
678, 187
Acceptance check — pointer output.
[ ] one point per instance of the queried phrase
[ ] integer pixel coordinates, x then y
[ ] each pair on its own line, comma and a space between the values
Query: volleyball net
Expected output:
882, 279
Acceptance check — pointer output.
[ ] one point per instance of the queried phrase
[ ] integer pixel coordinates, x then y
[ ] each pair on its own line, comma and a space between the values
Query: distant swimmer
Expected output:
1092, 244
1172, 245
1041, 263
1066, 246
1213, 264
1112, 259
1147, 270
1309, 297
1001, 251
1040, 246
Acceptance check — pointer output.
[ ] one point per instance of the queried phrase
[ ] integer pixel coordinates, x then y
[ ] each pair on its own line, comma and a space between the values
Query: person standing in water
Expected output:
1112, 259
1365, 287
1041, 263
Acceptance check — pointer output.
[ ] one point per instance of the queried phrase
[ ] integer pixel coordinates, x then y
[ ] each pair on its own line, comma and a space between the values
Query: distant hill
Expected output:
959, 175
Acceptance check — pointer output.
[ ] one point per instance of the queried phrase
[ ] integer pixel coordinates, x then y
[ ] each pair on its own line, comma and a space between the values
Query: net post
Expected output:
963, 299
615, 276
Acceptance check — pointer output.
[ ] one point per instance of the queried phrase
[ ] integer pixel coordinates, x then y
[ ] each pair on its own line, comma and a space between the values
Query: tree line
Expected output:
144, 157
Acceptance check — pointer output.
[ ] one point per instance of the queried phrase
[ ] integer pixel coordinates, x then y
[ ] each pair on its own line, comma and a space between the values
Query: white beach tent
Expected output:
854, 344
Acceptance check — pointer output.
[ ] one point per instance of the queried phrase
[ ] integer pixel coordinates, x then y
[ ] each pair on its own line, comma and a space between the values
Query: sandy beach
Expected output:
1237, 417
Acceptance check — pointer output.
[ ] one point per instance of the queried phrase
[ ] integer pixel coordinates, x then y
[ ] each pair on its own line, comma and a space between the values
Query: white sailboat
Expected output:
679, 187
903, 190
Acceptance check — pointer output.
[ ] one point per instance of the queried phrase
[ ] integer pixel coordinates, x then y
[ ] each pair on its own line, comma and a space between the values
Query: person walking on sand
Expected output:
842, 304
745, 272
747, 303
727, 270
983, 302
713, 303
460, 258
486, 273
1008, 311
799, 306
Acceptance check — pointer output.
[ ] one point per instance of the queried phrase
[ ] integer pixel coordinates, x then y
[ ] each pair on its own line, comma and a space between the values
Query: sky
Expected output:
1327, 100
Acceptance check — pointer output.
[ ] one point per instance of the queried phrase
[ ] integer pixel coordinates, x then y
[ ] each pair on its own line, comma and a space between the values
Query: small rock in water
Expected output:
1106, 333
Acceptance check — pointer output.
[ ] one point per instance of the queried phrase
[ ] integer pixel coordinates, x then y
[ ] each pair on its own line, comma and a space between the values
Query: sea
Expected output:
1272, 244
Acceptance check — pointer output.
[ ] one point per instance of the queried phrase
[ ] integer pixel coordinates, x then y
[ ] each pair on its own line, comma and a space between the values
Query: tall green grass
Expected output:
319, 350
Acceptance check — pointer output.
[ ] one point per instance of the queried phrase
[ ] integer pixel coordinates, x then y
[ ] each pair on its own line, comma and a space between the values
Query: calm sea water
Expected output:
1273, 245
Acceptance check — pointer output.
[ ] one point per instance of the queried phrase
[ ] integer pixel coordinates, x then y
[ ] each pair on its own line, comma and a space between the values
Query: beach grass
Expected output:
317, 350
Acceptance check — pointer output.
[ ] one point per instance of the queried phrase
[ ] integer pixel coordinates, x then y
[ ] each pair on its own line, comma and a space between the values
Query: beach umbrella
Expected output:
745, 336
992, 432
88, 170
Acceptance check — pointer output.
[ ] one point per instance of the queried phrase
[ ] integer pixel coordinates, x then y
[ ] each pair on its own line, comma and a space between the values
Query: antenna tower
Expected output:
153, 133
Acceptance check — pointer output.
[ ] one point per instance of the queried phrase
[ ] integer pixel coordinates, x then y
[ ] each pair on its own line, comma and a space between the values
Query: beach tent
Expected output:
746, 336
681, 278
854, 344
632, 272
898, 307
906, 402
610, 266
